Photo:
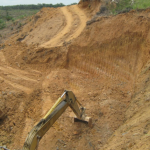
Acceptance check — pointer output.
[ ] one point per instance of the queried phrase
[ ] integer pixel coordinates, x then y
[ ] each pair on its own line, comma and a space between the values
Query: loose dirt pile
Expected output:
106, 66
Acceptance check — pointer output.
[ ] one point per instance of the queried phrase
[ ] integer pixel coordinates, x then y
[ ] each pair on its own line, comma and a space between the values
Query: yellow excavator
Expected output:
53, 114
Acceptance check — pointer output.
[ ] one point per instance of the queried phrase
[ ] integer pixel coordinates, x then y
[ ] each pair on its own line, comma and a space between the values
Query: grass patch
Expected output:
17, 13
123, 6
141, 4
2, 24
8, 17
118, 7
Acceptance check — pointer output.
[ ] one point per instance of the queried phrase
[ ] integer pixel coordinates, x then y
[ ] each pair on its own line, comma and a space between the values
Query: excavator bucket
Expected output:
87, 120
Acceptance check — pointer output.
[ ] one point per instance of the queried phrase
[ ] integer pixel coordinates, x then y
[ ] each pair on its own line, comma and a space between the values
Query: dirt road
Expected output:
17, 78
67, 33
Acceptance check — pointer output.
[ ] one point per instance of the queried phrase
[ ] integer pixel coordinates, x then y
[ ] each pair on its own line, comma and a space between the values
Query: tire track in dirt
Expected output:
34, 72
18, 86
11, 71
54, 41
83, 19
59, 39
18, 75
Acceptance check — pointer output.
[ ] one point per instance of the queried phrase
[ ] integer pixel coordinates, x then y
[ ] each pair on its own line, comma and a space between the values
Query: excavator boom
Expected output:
49, 119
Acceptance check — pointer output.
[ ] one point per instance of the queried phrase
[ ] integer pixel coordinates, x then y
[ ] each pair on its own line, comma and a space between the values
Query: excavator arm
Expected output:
49, 119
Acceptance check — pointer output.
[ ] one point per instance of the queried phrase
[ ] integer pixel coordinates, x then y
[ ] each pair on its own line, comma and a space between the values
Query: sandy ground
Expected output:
106, 65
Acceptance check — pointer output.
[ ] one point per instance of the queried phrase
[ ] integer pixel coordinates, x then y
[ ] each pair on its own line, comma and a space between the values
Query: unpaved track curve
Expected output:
18, 74
54, 41
60, 38
7, 73
17, 86
83, 19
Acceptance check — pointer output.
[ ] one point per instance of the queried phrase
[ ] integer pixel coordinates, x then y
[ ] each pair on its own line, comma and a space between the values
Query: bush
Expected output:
121, 6
8, 18
2, 24
103, 9
22, 16
13, 19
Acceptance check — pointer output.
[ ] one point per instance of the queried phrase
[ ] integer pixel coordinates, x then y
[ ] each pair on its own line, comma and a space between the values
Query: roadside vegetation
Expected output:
8, 17
141, 4
122, 6
31, 6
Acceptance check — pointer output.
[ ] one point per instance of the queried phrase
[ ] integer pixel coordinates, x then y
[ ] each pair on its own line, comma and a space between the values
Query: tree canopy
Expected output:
31, 6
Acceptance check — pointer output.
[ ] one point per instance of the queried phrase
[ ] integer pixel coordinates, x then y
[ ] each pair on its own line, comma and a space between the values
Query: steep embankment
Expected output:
107, 67
118, 48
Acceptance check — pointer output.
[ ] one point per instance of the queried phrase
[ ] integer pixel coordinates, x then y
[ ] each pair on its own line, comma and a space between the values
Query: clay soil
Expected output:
106, 64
